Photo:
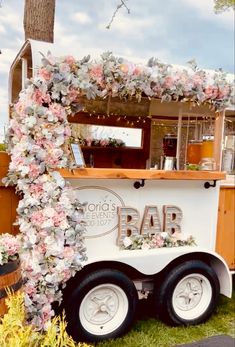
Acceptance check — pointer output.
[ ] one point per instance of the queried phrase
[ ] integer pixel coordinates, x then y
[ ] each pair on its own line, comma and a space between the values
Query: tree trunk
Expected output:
39, 18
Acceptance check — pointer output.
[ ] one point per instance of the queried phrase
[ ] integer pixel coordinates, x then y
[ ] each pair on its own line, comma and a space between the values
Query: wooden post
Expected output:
179, 139
218, 139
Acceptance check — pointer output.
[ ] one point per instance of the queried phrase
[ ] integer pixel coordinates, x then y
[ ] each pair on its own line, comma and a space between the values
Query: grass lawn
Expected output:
149, 332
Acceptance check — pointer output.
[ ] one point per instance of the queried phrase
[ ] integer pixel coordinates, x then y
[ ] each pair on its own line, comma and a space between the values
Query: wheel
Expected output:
102, 306
188, 294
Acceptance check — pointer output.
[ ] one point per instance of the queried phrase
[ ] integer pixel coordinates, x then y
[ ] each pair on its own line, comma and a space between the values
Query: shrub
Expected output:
14, 332
3, 147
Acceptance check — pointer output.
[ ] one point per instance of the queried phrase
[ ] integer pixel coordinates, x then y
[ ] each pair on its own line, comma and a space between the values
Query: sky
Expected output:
174, 31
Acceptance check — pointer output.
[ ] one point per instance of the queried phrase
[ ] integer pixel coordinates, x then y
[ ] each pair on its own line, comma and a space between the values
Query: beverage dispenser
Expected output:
168, 160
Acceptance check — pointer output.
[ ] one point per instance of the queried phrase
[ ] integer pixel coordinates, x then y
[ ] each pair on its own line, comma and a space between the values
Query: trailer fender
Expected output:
223, 274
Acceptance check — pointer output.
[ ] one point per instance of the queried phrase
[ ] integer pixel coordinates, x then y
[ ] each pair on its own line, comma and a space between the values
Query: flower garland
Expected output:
50, 215
9, 248
109, 142
158, 240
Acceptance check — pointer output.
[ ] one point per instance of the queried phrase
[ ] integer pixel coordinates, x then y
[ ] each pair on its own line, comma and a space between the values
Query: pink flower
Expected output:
168, 82
20, 107
37, 218
44, 73
30, 289
211, 92
58, 217
40, 98
73, 94
66, 275
68, 252
89, 141
36, 189
158, 241
69, 59
57, 110
11, 245
104, 142
137, 70
64, 67
96, 71
34, 170
16, 162
197, 80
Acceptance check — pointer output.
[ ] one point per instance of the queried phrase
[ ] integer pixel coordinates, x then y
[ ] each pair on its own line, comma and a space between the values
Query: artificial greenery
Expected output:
3, 147
15, 333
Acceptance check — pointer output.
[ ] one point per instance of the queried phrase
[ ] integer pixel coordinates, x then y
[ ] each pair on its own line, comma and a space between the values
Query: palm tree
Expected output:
39, 20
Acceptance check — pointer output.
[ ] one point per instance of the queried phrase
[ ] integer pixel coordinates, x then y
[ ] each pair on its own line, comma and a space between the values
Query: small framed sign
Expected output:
77, 154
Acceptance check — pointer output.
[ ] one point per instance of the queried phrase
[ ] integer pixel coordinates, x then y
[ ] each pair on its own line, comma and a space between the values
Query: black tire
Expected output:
101, 307
188, 294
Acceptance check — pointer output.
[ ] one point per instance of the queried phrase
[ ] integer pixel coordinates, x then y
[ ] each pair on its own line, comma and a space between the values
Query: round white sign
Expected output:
101, 209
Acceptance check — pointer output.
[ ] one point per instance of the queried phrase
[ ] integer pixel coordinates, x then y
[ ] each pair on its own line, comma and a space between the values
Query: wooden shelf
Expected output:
102, 173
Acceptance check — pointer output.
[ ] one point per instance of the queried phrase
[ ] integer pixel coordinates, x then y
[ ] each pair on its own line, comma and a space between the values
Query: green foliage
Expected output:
15, 333
3, 147
223, 5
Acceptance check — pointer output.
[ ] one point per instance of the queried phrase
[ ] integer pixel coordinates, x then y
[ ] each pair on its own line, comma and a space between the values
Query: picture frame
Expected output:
77, 155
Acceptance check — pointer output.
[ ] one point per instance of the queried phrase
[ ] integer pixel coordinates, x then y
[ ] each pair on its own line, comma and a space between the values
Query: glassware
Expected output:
194, 151
170, 145
207, 164
207, 150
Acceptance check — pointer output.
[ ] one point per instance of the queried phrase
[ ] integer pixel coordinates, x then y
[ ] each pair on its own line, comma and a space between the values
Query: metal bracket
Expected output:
207, 185
138, 184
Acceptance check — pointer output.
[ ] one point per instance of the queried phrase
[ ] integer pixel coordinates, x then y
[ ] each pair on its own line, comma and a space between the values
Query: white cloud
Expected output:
81, 17
6, 58
11, 19
2, 29
206, 10
133, 26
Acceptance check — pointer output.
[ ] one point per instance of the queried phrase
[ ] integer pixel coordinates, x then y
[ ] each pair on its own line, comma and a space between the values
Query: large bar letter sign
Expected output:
172, 219
128, 217
151, 221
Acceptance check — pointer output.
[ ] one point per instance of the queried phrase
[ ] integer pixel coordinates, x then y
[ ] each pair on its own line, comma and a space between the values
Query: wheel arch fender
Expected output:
126, 269
214, 260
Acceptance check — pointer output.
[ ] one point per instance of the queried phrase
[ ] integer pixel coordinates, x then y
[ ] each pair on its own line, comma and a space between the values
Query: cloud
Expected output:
11, 20
81, 17
2, 29
205, 8
6, 58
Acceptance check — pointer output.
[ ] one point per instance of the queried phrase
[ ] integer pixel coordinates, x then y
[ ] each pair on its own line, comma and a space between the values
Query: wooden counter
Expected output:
91, 173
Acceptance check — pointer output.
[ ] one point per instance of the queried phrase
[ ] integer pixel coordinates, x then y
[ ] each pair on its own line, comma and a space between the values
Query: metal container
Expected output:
168, 163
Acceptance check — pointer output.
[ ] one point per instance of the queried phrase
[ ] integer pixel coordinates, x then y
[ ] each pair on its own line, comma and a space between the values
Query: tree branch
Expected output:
122, 4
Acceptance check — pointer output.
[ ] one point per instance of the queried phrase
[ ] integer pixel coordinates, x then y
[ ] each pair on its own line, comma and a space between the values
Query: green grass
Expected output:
149, 332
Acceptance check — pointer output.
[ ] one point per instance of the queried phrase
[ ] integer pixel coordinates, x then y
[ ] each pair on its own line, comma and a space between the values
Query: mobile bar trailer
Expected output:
150, 227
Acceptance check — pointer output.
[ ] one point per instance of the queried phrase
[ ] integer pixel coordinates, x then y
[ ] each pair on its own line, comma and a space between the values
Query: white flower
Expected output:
49, 212
127, 242
30, 121
60, 181
1, 258
164, 234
